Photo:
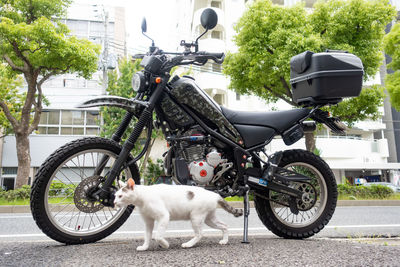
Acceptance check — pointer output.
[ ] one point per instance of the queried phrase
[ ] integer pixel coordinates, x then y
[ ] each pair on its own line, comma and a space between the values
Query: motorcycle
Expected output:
223, 150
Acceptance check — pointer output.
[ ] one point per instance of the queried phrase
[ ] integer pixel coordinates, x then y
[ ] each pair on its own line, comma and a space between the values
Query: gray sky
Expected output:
160, 16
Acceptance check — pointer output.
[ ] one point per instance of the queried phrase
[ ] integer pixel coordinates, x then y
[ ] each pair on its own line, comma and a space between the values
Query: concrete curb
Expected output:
238, 204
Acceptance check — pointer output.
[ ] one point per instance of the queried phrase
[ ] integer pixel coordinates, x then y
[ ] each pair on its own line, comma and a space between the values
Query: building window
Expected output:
96, 29
278, 2
310, 3
50, 117
72, 117
216, 67
8, 177
69, 122
237, 96
78, 27
216, 4
216, 35
211, 67
219, 98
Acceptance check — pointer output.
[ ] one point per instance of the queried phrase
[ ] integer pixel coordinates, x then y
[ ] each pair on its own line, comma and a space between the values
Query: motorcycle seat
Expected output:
279, 120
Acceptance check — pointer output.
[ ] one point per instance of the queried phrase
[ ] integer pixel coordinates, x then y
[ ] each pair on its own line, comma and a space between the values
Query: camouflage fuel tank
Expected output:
187, 92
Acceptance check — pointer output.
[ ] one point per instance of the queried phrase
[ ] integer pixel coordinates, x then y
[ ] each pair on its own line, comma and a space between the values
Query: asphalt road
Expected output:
262, 251
346, 222
341, 243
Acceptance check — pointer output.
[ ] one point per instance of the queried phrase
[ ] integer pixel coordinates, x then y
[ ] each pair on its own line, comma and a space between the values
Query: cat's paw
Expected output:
186, 245
163, 243
223, 242
142, 248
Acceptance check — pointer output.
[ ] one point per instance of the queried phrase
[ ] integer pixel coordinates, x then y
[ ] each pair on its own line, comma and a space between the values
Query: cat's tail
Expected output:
225, 205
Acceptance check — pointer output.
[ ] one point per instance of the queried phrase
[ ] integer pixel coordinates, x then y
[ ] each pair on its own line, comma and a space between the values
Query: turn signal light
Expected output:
158, 80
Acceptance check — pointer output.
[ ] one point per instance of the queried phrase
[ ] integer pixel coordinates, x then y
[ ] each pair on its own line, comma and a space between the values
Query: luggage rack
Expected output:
311, 101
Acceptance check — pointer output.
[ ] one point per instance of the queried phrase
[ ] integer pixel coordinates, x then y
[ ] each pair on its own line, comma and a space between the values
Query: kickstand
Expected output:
246, 216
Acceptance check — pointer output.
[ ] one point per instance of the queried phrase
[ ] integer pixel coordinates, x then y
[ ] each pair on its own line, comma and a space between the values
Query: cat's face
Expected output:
123, 197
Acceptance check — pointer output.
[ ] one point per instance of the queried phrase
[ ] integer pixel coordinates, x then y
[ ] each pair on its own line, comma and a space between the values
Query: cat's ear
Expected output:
131, 184
121, 184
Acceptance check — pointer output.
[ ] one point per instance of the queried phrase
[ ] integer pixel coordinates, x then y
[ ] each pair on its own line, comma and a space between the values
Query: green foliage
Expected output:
59, 188
317, 151
47, 47
154, 170
366, 106
365, 192
119, 84
9, 82
28, 11
269, 35
17, 194
392, 48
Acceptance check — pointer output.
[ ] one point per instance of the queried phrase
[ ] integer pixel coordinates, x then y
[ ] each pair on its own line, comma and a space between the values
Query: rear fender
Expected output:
131, 105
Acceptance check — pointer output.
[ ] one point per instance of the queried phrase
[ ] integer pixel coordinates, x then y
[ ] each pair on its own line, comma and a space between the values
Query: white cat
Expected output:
164, 203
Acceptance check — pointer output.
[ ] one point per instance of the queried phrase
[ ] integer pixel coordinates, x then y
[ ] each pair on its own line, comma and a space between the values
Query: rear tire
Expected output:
54, 181
279, 219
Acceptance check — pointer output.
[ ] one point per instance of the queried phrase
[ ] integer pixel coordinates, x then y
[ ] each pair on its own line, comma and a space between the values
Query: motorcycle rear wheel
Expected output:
311, 219
59, 203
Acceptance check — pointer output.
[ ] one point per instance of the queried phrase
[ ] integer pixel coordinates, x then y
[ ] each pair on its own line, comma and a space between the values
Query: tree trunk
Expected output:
24, 159
310, 141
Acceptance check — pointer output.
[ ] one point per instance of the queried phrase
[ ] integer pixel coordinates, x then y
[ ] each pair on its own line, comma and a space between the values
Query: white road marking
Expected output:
215, 230
30, 216
363, 226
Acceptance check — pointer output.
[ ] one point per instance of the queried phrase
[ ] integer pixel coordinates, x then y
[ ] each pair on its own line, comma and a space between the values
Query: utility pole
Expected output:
104, 60
105, 53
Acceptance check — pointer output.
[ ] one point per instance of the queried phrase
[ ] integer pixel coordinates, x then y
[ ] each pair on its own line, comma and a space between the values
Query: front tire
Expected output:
279, 219
58, 203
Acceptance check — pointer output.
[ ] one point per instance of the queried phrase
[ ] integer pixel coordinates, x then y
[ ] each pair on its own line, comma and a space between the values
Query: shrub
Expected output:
20, 193
153, 171
59, 188
359, 191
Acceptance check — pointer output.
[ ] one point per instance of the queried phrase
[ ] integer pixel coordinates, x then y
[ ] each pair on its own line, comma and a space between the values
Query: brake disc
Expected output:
81, 197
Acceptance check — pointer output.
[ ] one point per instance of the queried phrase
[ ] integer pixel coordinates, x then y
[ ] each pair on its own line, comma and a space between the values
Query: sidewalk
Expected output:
238, 204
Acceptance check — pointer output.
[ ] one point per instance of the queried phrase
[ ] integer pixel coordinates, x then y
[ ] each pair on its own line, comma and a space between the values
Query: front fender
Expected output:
131, 105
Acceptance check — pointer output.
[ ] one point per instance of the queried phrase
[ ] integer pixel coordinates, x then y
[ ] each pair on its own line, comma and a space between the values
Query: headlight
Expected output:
138, 82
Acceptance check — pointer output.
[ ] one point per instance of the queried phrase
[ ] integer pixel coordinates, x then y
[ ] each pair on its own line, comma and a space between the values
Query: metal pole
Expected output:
105, 53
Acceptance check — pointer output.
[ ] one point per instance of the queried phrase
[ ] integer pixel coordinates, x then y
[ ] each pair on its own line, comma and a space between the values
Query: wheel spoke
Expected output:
316, 197
68, 205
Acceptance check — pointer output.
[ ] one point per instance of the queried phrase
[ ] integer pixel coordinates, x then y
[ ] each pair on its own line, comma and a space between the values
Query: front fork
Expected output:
104, 194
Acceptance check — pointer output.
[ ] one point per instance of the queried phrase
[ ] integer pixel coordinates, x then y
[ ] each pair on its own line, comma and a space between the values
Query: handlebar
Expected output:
197, 57
158, 61
217, 57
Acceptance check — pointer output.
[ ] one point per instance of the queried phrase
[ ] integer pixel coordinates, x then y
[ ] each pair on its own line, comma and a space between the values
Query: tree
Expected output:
36, 45
392, 48
269, 35
119, 84
9, 84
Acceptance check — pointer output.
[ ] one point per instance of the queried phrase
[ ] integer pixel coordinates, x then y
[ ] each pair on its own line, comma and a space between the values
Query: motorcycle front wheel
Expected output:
314, 211
60, 202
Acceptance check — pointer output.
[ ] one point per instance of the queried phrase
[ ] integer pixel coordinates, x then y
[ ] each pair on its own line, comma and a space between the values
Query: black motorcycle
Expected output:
210, 146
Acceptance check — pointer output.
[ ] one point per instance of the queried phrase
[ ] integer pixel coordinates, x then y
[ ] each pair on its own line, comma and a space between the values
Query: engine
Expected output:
204, 162
202, 170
